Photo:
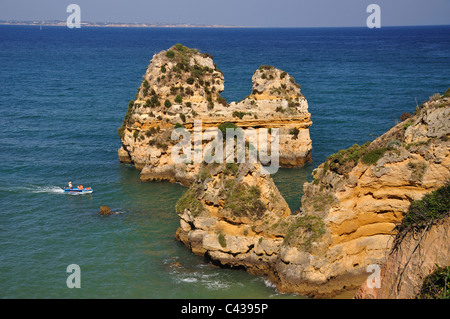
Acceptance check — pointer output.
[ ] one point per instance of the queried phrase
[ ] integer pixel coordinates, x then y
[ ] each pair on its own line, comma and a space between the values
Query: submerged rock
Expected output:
105, 210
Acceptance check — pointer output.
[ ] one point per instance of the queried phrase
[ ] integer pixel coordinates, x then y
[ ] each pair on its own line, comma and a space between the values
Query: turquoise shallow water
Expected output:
64, 94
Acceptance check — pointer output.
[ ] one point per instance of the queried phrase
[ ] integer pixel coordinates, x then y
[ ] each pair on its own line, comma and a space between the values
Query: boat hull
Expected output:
78, 191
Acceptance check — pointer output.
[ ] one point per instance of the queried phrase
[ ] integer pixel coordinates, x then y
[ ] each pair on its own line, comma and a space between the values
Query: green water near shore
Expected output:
65, 92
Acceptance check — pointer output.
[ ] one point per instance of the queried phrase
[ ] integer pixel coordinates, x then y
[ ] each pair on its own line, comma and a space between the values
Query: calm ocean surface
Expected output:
64, 93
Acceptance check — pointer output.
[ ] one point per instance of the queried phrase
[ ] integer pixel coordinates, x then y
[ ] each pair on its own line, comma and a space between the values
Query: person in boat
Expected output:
70, 185
80, 187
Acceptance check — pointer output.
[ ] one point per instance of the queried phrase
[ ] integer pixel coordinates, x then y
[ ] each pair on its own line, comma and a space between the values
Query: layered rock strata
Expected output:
348, 215
182, 85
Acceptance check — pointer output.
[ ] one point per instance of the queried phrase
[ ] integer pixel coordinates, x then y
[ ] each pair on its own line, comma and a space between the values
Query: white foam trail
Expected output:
47, 189
33, 189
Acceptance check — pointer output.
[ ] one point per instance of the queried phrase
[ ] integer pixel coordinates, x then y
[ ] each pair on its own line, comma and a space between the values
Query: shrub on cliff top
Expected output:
343, 161
182, 48
170, 54
265, 67
372, 157
447, 93
243, 200
431, 207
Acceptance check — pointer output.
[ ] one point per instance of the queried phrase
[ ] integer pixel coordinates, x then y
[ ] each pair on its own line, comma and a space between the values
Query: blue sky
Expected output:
265, 13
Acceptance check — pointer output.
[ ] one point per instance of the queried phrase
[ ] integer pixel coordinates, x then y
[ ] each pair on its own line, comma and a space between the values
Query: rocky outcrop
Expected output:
231, 214
363, 192
181, 86
348, 215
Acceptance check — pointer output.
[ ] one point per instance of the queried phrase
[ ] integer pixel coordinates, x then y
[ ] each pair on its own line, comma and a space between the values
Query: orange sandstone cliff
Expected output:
348, 216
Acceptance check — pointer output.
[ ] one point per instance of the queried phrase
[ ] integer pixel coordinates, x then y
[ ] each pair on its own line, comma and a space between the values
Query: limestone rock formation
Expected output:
231, 214
363, 192
182, 85
348, 212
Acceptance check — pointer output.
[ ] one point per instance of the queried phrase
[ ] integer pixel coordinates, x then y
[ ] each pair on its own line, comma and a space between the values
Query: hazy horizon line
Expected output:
180, 24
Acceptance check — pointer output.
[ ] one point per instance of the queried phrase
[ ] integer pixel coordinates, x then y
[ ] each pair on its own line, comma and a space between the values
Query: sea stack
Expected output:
182, 85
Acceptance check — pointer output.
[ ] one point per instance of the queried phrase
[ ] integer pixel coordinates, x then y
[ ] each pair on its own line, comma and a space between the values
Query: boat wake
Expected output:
33, 189
48, 189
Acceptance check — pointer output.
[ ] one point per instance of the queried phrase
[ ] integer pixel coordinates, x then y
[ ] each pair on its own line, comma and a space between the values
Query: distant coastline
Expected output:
60, 23
63, 23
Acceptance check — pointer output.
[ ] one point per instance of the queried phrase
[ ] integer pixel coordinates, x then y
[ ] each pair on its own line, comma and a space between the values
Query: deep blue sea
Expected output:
64, 92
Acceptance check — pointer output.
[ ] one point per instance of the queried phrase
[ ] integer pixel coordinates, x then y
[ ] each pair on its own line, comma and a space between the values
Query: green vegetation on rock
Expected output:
243, 200
304, 231
372, 157
223, 127
222, 240
343, 161
190, 201
436, 285
179, 99
170, 54
121, 129
431, 207
239, 114
447, 93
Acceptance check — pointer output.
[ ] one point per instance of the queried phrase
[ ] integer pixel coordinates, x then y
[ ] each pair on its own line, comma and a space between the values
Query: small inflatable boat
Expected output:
75, 190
